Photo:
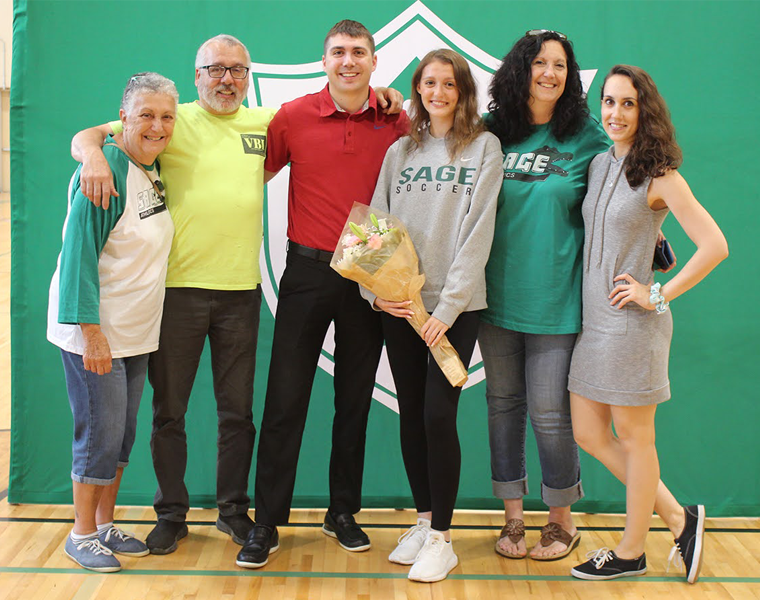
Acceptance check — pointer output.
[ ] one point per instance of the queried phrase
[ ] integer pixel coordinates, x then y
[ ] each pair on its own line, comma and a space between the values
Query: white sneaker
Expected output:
435, 561
410, 544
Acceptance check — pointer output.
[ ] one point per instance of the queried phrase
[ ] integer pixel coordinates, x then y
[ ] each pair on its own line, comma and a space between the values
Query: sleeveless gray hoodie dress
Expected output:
621, 355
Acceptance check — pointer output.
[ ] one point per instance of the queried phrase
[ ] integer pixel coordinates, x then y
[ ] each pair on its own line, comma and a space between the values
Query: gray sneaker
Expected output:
91, 554
121, 542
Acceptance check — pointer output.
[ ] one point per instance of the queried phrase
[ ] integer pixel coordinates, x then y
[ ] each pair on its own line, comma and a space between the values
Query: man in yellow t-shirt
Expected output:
213, 170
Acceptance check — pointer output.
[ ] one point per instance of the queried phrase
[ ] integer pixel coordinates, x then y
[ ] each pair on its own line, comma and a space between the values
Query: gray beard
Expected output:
222, 106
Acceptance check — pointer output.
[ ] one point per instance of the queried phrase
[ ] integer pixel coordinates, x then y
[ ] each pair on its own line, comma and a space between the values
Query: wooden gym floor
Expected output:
311, 566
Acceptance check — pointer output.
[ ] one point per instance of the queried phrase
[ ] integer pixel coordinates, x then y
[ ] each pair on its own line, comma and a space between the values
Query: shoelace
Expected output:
675, 558
599, 557
417, 529
116, 532
94, 546
434, 545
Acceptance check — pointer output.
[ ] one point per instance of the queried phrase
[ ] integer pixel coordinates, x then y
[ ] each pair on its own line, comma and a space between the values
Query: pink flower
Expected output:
375, 242
350, 240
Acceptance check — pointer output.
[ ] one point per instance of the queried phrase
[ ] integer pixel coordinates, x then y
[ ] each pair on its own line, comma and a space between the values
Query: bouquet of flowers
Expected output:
375, 250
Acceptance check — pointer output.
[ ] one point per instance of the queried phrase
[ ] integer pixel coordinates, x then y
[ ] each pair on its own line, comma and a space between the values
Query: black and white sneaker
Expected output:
690, 544
604, 564
165, 535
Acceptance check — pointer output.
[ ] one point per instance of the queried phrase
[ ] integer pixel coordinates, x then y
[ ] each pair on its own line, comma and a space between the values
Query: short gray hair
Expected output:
222, 38
147, 83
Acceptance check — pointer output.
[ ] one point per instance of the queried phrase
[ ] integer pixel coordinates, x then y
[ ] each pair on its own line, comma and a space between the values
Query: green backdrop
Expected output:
70, 62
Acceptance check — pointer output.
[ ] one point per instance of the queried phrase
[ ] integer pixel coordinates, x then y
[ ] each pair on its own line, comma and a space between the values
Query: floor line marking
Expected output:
369, 526
342, 575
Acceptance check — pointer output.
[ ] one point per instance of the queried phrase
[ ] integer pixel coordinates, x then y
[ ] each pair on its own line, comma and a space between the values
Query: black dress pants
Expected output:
311, 296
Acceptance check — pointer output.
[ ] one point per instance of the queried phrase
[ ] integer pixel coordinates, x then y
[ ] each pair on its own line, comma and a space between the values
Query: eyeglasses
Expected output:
533, 32
218, 71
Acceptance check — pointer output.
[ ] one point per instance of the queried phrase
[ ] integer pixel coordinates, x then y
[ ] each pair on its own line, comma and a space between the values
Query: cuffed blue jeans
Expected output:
104, 408
526, 374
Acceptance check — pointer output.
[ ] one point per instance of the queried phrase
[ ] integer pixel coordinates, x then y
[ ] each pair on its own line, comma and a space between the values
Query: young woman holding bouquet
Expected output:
527, 334
619, 371
442, 181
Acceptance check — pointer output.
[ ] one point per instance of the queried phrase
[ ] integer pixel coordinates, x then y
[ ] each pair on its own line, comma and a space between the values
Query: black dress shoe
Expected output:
261, 542
165, 535
236, 526
348, 533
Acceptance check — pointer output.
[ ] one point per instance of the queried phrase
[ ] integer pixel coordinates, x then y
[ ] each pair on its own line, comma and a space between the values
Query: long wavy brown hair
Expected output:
467, 123
654, 151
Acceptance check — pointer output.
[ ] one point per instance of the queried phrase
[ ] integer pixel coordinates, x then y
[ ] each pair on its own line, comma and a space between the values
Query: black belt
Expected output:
313, 253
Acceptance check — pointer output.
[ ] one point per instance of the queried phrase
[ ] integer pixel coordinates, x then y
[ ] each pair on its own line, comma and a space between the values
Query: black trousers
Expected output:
428, 406
230, 320
312, 296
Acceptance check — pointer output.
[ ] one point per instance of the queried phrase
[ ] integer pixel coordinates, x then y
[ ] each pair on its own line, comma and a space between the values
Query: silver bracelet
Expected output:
656, 298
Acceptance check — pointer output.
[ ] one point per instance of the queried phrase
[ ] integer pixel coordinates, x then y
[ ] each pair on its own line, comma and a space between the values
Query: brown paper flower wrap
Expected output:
375, 251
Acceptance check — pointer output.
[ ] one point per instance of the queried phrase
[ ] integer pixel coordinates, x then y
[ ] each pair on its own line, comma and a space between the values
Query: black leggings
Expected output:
428, 413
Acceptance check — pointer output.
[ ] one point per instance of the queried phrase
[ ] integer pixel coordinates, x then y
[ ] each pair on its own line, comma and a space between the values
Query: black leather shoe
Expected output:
165, 535
261, 542
236, 526
348, 533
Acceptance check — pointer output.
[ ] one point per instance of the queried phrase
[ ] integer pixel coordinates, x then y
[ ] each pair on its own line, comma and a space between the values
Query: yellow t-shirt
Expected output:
213, 170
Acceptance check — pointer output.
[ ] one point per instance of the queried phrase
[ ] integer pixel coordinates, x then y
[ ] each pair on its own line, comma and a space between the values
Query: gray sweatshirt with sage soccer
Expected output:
449, 209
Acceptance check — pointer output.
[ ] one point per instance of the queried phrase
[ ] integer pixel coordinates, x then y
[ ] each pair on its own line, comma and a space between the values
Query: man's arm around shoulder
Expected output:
96, 177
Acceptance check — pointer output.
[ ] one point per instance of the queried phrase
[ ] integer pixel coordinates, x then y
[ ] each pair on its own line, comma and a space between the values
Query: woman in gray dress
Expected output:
619, 371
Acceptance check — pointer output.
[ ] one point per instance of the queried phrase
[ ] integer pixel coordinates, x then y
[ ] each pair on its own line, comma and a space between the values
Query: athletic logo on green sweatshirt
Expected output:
536, 165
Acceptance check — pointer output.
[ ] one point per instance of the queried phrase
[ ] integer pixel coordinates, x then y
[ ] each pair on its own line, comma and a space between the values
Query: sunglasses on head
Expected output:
533, 32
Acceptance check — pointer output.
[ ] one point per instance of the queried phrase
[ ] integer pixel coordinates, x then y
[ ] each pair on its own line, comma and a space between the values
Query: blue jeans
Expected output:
527, 374
105, 415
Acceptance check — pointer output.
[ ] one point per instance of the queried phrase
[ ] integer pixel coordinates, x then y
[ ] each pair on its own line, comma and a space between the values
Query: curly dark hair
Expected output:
511, 119
654, 151
467, 123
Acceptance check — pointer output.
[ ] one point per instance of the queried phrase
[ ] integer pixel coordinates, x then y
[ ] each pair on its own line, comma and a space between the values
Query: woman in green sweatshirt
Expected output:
539, 113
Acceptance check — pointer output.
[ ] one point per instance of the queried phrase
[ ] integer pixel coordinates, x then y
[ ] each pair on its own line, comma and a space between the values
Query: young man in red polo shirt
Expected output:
335, 142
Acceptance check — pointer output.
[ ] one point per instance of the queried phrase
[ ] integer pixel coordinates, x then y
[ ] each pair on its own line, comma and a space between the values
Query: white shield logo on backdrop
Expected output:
403, 41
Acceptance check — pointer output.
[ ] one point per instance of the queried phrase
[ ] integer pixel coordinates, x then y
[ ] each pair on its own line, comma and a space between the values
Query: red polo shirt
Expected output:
335, 159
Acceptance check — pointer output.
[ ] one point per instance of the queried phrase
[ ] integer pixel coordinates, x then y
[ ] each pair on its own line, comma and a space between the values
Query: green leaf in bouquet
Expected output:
358, 232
